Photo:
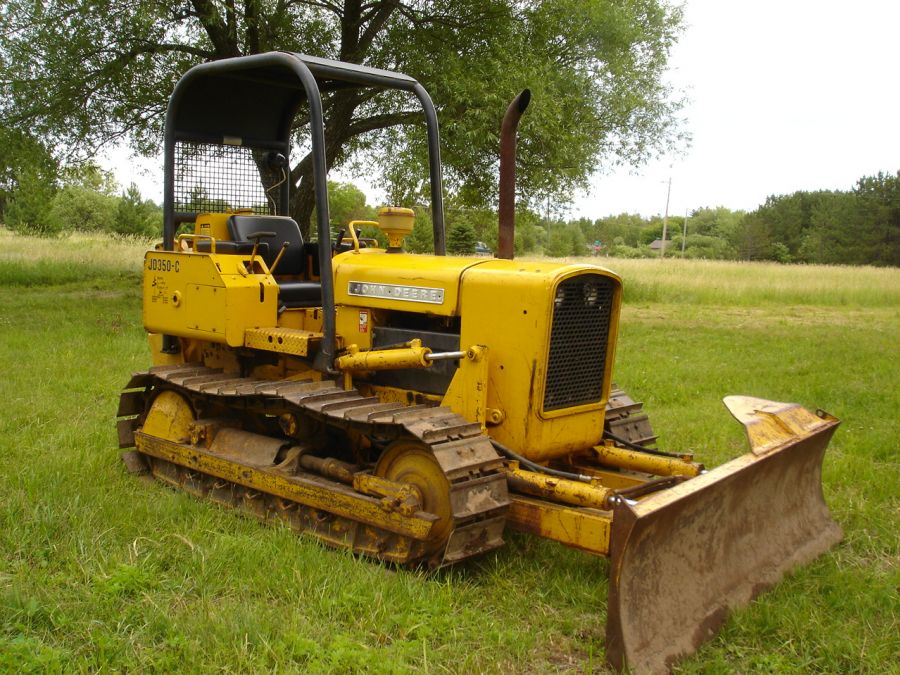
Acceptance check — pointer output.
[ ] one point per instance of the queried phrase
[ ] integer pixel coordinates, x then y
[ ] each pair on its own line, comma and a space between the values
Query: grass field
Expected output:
99, 571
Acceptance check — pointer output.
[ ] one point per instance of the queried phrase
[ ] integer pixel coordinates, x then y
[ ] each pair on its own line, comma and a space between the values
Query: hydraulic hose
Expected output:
640, 448
511, 454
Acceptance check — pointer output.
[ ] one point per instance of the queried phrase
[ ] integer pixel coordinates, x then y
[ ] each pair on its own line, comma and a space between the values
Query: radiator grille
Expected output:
582, 308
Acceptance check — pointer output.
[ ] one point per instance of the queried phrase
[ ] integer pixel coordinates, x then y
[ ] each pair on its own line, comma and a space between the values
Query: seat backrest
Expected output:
240, 227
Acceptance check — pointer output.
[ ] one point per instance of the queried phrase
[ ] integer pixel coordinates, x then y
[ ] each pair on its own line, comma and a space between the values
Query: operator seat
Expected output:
293, 262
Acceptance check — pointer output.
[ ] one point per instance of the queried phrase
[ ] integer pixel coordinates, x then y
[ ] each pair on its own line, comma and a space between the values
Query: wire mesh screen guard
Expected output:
578, 341
212, 178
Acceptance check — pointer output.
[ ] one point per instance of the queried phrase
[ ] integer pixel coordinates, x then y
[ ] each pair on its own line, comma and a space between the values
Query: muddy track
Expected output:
478, 493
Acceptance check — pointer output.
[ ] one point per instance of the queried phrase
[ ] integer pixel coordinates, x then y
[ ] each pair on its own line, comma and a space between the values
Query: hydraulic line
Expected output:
537, 467
640, 448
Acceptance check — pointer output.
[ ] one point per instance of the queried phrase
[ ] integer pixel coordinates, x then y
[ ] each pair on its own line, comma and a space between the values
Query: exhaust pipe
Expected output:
507, 209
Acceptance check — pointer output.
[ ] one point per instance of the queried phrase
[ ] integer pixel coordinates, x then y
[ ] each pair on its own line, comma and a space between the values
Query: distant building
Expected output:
657, 244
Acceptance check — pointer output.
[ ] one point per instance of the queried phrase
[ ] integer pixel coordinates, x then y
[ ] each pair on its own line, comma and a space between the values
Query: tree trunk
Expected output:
303, 201
339, 112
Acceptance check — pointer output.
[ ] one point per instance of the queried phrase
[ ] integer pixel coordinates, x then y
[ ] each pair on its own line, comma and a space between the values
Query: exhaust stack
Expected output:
507, 210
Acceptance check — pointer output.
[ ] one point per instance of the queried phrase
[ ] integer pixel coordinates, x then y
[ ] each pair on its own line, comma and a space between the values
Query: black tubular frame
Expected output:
290, 78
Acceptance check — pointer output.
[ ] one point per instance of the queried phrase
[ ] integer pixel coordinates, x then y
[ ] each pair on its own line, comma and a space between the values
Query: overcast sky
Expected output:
783, 96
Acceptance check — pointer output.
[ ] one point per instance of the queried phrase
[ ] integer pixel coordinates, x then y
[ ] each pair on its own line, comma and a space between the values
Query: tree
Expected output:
565, 239
461, 238
653, 230
136, 215
529, 234
626, 226
23, 156
753, 238
89, 175
28, 208
421, 240
878, 200
84, 73
86, 201
347, 202
714, 222
789, 217
75, 207
707, 247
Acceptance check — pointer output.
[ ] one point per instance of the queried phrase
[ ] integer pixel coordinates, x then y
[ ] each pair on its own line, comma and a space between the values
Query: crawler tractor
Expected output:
412, 407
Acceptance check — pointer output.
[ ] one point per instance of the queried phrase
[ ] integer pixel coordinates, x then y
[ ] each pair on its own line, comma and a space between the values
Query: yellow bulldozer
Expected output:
412, 407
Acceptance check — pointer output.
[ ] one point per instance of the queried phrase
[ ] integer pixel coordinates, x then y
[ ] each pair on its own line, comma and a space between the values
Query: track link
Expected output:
626, 418
478, 493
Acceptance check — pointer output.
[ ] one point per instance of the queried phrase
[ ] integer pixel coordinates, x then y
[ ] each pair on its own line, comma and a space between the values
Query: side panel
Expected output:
508, 306
204, 296
402, 282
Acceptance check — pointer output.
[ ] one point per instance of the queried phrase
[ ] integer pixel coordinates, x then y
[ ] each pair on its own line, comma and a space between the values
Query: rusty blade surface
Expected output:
682, 558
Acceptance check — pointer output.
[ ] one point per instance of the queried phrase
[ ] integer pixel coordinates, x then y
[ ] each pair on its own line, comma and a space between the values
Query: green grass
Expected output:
99, 571
752, 284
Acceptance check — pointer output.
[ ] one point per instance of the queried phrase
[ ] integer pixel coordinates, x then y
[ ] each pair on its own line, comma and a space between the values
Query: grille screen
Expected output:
211, 177
578, 339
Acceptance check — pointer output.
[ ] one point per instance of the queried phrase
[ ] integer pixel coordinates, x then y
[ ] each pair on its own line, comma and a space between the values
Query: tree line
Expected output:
38, 195
76, 76
859, 226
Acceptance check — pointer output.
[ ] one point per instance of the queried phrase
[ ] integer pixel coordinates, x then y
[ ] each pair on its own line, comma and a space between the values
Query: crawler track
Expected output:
478, 493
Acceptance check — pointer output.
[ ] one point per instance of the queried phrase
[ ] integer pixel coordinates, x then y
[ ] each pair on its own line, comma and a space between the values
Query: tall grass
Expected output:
753, 283
100, 572
75, 257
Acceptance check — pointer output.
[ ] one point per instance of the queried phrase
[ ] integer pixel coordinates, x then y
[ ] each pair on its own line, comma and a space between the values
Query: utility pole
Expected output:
684, 232
662, 250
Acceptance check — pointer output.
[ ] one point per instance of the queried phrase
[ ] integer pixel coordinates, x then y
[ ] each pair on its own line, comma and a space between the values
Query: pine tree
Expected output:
461, 239
134, 215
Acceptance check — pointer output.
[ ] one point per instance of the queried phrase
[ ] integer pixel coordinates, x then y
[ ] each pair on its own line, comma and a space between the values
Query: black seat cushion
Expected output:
300, 294
290, 293
286, 230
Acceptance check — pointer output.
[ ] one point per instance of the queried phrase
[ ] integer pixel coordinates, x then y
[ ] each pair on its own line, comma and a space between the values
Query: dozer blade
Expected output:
682, 558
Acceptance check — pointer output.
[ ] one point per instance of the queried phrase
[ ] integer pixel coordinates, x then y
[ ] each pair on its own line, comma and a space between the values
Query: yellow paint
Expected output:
374, 266
282, 340
584, 529
557, 489
610, 478
213, 224
505, 306
329, 497
411, 356
410, 462
170, 417
400, 496
387, 394
646, 462
397, 223
305, 318
508, 305
355, 325
159, 358
772, 424
467, 394
352, 228
207, 296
